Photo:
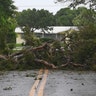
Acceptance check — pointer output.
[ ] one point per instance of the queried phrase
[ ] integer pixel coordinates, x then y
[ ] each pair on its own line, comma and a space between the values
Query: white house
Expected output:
50, 34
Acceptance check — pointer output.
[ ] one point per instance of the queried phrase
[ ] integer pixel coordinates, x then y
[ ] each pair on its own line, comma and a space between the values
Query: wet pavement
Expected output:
16, 83
59, 83
67, 83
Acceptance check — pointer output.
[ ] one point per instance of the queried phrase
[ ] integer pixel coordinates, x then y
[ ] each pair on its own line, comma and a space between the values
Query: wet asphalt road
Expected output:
59, 83
16, 83
67, 83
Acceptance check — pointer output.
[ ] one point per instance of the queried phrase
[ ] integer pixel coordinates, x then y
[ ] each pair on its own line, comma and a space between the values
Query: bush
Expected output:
94, 67
7, 65
49, 40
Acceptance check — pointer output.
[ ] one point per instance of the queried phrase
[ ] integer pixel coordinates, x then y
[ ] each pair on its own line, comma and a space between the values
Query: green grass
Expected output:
18, 45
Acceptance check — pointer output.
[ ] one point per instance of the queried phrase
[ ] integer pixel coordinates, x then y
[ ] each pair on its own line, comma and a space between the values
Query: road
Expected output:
48, 83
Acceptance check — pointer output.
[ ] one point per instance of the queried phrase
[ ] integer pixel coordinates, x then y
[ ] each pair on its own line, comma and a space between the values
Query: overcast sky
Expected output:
50, 5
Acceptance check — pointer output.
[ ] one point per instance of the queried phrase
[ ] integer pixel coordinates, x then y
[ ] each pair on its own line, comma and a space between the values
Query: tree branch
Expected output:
46, 63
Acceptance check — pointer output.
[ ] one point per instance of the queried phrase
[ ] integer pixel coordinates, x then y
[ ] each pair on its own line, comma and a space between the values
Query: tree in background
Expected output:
30, 20
64, 17
7, 26
85, 17
68, 16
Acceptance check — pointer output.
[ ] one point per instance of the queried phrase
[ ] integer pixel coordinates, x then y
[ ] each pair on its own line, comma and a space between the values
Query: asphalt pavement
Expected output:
68, 83
58, 83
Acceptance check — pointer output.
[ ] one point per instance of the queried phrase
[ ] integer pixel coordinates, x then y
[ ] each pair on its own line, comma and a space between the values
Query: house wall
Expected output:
49, 35
53, 33
19, 39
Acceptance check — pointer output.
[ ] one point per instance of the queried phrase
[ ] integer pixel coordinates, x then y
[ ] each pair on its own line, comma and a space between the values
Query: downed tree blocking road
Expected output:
45, 55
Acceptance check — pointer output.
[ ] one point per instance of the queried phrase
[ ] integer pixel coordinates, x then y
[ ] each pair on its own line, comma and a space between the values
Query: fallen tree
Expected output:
41, 55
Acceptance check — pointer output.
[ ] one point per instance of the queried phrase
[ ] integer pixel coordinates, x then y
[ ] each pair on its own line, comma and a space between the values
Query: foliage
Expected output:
48, 40
57, 55
85, 17
70, 17
82, 43
35, 19
30, 38
30, 20
27, 18
77, 47
64, 17
45, 20
7, 24
7, 65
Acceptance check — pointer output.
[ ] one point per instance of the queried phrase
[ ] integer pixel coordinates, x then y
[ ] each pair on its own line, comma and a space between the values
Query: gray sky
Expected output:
38, 4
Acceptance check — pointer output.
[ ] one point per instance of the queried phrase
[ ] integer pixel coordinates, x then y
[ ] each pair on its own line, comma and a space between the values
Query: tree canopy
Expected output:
30, 20
7, 11
35, 19
65, 16
74, 3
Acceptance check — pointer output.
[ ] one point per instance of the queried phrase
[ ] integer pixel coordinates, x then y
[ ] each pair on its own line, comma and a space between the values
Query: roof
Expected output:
56, 29
18, 30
